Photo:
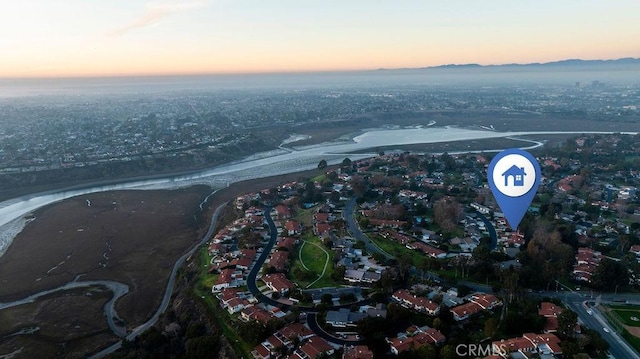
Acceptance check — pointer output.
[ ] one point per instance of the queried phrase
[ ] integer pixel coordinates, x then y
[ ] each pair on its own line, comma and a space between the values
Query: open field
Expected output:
629, 315
626, 320
311, 258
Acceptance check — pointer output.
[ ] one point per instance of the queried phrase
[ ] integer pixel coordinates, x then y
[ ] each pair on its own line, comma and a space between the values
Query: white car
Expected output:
590, 312
606, 329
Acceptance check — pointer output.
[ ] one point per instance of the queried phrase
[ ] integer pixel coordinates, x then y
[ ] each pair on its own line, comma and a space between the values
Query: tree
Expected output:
609, 275
447, 213
448, 352
550, 259
491, 327
567, 321
346, 162
326, 299
569, 349
322, 164
201, 347
426, 351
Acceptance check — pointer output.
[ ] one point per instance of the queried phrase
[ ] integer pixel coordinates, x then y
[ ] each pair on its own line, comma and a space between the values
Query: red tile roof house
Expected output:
478, 302
286, 242
279, 260
236, 305
229, 278
531, 343
292, 227
278, 282
313, 348
548, 309
283, 337
380, 223
322, 228
464, 311
320, 217
586, 262
357, 352
226, 295
428, 250
420, 304
262, 352
256, 314
550, 312
546, 343
298, 330
283, 212
486, 301
417, 338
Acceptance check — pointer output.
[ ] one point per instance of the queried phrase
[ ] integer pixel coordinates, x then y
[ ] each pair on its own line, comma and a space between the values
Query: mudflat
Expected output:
133, 237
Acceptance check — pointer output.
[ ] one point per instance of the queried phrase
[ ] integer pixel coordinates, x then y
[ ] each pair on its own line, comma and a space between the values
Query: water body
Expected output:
257, 166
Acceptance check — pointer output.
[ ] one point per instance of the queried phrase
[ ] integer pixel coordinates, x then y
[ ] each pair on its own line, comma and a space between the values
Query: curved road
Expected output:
354, 229
311, 311
257, 266
312, 320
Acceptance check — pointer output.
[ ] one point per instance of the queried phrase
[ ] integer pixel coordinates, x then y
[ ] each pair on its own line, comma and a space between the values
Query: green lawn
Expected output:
314, 258
305, 216
623, 313
627, 314
395, 249
208, 280
634, 341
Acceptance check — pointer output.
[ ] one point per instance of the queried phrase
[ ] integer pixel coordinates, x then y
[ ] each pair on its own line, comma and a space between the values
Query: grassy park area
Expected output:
628, 314
626, 320
313, 264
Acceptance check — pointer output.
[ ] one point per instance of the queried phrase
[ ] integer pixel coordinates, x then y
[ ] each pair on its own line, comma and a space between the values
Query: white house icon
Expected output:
518, 176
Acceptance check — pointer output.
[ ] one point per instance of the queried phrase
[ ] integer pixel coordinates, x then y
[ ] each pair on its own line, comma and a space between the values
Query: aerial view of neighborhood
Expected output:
214, 179
390, 251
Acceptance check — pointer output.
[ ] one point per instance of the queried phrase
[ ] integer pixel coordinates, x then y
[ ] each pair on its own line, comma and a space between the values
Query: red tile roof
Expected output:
466, 309
548, 309
417, 302
357, 352
295, 330
278, 282
316, 346
279, 260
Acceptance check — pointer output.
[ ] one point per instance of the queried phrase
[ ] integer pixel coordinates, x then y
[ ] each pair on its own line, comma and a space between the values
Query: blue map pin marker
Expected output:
514, 176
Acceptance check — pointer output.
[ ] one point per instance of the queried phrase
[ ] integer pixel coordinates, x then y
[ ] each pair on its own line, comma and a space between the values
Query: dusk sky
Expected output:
133, 37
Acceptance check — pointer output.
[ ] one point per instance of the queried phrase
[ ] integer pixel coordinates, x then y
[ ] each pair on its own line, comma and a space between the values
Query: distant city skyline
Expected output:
70, 38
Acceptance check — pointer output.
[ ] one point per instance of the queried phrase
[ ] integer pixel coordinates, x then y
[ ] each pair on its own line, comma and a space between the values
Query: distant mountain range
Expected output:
623, 62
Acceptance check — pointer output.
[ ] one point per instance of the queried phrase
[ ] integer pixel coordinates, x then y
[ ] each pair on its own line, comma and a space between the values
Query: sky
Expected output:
67, 38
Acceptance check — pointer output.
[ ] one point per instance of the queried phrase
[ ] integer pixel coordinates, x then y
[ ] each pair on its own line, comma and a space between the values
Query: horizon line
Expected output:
295, 72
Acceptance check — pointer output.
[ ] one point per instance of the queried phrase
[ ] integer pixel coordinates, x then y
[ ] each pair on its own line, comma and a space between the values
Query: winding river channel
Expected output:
281, 161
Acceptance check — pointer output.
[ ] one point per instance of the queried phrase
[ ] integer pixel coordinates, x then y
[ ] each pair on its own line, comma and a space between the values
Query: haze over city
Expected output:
81, 38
